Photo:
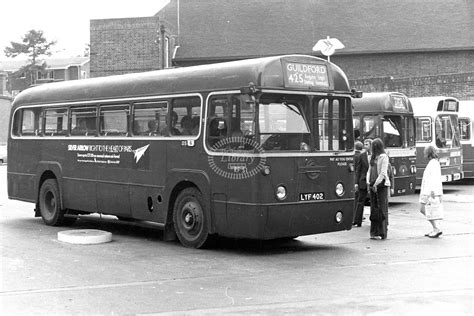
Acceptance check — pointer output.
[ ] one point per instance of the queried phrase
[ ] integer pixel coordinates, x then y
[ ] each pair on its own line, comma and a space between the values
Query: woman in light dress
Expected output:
431, 192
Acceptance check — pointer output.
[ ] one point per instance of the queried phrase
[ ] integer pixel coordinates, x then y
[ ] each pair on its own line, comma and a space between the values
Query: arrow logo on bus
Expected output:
139, 152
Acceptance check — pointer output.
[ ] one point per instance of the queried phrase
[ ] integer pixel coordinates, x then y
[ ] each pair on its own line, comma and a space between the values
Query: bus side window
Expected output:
187, 113
149, 118
216, 122
114, 120
31, 122
83, 121
55, 122
16, 123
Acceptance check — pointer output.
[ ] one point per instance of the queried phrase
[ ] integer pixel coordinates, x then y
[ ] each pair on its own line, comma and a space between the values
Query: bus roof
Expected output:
382, 102
267, 72
428, 106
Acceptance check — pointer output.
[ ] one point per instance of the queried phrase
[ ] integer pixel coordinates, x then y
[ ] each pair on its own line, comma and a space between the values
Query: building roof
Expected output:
12, 65
233, 28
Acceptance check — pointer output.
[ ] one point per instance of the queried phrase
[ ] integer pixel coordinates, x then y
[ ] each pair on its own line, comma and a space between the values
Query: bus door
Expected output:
147, 162
114, 157
80, 166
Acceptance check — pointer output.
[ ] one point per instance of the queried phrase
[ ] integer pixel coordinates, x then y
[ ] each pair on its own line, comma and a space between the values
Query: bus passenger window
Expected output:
83, 121
16, 123
186, 116
149, 118
55, 122
31, 122
170, 127
114, 120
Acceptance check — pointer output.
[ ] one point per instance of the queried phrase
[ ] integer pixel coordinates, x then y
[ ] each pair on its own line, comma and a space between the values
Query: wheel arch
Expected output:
45, 171
178, 180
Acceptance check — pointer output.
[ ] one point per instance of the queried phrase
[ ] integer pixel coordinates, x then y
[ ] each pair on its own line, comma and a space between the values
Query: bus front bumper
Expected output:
271, 221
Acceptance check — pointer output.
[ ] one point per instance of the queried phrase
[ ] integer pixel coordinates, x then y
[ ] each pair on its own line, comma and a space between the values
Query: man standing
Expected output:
361, 160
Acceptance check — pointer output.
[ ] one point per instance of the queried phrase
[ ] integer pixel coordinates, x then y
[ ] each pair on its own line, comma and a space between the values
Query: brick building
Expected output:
128, 45
415, 47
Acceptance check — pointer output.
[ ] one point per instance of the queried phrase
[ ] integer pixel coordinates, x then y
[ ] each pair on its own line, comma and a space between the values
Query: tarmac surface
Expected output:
343, 273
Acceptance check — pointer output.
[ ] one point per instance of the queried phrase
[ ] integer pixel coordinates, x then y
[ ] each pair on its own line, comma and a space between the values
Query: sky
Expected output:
65, 21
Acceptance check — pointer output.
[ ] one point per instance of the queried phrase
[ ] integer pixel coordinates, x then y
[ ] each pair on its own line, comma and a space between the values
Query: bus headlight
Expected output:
413, 169
394, 171
338, 217
280, 193
339, 189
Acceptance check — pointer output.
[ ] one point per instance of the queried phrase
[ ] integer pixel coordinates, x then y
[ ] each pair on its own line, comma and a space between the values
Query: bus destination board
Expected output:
399, 103
299, 75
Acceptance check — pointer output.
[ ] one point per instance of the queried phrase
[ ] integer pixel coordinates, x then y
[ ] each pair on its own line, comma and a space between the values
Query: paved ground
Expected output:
330, 274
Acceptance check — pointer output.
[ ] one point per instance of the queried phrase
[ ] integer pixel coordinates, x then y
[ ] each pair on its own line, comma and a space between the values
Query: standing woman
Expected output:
431, 192
379, 184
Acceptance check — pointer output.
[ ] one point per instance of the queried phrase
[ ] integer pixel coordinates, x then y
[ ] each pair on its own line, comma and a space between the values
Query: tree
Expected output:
33, 45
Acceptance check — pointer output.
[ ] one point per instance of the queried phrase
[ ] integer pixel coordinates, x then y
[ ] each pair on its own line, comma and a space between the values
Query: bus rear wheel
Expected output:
50, 205
189, 219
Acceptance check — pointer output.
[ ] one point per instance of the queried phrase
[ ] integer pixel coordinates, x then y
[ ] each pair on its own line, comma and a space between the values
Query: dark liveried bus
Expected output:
389, 116
466, 117
437, 125
259, 148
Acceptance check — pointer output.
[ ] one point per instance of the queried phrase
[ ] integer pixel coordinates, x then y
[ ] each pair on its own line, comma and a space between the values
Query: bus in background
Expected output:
389, 116
259, 148
437, 125
466, 116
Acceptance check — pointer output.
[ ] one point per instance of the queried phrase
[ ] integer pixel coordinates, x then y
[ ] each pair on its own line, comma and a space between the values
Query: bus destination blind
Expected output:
305, 75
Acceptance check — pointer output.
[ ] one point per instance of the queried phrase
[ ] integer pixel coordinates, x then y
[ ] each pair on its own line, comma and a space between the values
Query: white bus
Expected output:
437, 124
466, 116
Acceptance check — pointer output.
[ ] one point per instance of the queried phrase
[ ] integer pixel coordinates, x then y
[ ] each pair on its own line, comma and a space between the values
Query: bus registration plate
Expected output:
317, 196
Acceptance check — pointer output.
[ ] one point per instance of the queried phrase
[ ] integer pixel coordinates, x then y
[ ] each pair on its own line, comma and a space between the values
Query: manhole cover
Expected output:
85, 236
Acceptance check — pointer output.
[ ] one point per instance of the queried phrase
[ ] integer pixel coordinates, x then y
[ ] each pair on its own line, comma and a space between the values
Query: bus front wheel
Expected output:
50, 204
189, 219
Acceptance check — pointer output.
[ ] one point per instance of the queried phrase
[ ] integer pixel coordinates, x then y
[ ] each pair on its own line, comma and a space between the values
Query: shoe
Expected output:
358, 225
383, 237
435, 235
427, 235
375, 237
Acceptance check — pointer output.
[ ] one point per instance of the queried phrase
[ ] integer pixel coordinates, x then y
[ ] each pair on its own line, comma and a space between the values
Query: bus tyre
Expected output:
50, 204
189, 219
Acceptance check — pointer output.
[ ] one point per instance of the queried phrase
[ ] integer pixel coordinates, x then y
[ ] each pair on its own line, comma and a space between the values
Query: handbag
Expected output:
434, 209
